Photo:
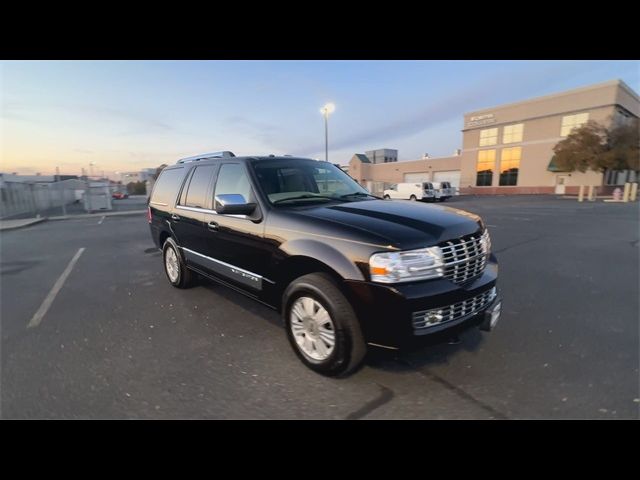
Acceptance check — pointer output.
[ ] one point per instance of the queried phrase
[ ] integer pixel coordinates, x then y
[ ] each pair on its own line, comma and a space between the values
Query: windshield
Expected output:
302, 180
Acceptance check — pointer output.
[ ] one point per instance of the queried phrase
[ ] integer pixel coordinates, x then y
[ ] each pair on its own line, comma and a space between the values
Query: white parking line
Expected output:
37, 317
101, 220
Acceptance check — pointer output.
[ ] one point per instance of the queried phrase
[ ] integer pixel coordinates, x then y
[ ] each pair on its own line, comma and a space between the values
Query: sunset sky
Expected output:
128, 115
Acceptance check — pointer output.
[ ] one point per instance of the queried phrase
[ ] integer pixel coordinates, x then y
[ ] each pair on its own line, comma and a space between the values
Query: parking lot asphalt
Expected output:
119, 342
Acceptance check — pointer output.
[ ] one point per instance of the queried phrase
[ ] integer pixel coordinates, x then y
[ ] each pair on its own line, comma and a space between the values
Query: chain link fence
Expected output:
66, 197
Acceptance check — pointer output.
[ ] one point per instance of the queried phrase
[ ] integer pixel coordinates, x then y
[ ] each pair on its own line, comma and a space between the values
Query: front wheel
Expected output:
322, 327
413, 198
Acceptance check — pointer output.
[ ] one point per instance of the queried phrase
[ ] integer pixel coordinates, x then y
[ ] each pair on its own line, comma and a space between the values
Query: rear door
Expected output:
163, 199
428, 189
189, 215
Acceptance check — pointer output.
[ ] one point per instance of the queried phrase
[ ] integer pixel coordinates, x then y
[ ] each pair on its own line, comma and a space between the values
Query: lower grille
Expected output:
466, 308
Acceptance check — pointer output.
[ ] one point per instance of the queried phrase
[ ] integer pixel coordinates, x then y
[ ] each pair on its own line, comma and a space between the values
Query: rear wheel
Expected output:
322, 327
387, 197
177, 272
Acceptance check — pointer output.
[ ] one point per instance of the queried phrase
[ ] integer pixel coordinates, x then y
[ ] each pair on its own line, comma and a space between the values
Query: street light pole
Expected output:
326, 110
326, 137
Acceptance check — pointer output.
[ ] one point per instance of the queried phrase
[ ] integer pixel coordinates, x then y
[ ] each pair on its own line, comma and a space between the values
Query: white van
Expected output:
410, 191
443, 190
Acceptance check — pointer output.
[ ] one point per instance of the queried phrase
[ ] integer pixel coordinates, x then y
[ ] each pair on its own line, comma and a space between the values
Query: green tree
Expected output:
623, 147
582, 149
136, 188
595, 147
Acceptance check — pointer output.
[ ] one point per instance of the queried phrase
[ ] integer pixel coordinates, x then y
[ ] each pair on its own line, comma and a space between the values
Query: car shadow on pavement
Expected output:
240, 300
436, 354
377, 358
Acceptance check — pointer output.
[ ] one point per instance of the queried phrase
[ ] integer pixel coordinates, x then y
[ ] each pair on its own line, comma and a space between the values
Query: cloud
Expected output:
264, 133
125, 122
482, 94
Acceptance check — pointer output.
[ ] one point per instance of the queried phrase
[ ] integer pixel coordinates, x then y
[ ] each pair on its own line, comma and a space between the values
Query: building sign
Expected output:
478, 120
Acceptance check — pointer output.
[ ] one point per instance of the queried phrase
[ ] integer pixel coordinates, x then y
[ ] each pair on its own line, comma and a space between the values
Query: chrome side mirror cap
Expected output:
233, 204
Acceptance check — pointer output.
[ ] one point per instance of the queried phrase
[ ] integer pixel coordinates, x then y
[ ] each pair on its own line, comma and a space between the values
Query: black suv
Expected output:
345, 268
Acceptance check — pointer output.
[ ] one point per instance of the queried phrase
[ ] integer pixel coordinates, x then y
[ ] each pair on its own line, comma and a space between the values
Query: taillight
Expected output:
148, 214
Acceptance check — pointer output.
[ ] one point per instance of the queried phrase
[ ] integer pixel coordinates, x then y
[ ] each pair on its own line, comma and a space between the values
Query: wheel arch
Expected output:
164, 234
306, 256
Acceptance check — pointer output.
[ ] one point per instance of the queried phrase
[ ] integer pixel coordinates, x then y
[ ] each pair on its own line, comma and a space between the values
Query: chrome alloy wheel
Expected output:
171, 264
312, 328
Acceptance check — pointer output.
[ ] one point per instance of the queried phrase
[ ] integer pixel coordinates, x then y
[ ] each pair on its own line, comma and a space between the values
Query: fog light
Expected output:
491, 317
495, 315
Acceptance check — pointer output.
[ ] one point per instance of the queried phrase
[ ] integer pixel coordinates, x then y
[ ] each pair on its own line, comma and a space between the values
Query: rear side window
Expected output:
167, 186
198, 187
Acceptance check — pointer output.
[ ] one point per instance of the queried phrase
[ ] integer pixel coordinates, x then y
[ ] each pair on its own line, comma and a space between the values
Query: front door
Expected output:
561, 182
234, 245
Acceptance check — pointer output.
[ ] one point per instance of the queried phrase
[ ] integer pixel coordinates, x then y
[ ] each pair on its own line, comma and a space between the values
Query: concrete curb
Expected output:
99, 214
33, 221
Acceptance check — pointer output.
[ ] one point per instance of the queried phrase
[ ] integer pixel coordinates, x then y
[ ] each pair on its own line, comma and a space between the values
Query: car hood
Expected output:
402, 224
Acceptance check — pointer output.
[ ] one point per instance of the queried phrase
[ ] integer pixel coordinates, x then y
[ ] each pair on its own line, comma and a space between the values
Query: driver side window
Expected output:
233, 178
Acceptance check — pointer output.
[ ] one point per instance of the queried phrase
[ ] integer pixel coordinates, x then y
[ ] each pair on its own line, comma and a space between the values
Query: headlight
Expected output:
411, 265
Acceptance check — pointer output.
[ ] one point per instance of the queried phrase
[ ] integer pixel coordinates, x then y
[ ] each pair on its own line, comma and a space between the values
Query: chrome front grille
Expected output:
466, 308
465, 257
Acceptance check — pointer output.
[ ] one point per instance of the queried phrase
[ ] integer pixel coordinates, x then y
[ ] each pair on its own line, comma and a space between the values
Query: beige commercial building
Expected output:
509, 148
377, 177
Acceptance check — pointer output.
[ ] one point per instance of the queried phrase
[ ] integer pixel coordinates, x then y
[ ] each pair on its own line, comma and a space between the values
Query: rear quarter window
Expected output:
166, 188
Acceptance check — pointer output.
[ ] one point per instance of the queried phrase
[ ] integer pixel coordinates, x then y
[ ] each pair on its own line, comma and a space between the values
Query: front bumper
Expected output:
406, 315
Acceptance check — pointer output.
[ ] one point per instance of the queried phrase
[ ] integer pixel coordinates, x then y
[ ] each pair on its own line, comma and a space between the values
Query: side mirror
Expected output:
233, 204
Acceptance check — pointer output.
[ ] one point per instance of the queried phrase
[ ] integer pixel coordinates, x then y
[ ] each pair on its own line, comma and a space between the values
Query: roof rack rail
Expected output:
207, 156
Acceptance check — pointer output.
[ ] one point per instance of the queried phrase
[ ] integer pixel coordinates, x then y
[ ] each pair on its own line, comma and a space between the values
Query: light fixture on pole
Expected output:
326, 110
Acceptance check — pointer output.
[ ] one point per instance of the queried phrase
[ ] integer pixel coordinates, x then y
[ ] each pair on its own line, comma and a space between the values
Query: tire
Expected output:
182, 277
349, 347
387, 197
413, 198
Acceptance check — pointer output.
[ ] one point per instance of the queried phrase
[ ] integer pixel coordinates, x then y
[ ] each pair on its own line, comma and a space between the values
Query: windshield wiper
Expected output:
359, 194
304, 197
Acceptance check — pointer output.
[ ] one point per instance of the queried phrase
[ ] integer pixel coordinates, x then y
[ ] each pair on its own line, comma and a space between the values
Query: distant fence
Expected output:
17, 198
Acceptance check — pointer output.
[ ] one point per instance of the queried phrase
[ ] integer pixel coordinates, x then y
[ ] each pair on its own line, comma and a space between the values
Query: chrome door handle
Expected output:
213, 226
175, 217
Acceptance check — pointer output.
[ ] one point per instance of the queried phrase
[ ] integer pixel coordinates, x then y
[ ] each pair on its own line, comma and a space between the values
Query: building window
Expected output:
488, 137
569, 122
509, 166
486, 164
620, 177
622, 117
512, 133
